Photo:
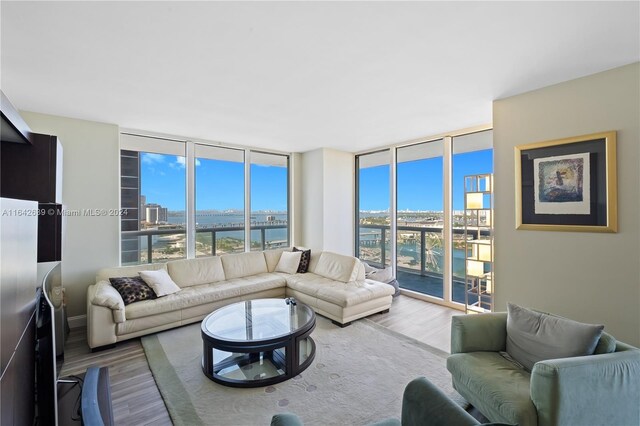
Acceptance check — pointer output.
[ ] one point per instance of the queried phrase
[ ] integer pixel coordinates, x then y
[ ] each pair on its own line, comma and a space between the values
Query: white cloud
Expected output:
181, 161
151, 158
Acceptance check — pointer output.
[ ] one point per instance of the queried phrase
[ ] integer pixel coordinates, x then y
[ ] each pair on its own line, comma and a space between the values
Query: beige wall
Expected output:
328, 200
90, 181
588, 277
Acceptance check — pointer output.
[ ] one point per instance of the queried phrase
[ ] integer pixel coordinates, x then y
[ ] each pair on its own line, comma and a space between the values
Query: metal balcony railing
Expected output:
213, 231
422, 279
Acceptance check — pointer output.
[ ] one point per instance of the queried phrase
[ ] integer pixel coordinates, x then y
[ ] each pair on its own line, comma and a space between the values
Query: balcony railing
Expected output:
213, 232
427, 276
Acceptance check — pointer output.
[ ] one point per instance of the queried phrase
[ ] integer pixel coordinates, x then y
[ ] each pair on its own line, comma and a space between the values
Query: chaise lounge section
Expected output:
334, 286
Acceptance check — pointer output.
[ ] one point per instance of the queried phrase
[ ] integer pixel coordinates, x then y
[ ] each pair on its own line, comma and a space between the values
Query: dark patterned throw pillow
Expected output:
132, 289
305, 258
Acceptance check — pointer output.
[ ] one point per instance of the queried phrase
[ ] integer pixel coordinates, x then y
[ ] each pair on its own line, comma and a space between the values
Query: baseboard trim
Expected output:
77, 321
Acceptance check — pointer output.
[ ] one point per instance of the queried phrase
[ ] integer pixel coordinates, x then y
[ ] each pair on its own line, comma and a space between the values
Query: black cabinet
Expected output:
49, 232
32, 172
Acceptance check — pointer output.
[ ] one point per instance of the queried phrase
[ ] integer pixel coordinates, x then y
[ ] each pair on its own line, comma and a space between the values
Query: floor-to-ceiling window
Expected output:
186, 199
269, 201
219, 200
429, 216
373, 207
472, 155
420, 218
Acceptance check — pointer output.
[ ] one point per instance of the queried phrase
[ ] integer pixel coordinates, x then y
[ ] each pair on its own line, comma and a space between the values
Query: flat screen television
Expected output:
50, 336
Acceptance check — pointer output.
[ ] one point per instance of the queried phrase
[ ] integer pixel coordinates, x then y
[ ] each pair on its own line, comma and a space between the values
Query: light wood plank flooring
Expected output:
137, 401
423, 321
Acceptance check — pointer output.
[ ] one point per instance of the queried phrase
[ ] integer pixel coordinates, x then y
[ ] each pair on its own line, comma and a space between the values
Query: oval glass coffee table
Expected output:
257, 342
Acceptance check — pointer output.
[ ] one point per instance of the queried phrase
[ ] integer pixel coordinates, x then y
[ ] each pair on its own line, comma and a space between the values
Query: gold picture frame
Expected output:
567, 184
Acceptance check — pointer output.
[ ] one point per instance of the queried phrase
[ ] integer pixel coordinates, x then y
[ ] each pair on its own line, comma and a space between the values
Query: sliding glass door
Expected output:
420, 218
422, 184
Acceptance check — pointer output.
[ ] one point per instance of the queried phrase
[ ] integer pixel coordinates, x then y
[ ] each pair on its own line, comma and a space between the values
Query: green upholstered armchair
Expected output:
423, 404
599, 389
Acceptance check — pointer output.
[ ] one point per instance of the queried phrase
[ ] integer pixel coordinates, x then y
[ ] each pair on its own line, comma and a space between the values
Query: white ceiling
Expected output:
295, 76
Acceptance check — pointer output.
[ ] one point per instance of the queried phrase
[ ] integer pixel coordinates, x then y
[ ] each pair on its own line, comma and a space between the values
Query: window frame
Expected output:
447, 231
142, 141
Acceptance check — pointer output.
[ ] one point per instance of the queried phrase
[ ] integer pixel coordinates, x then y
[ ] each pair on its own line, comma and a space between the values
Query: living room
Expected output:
324, 84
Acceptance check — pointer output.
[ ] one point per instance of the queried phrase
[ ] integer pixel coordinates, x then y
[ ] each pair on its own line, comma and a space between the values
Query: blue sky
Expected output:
420, 182
219, 184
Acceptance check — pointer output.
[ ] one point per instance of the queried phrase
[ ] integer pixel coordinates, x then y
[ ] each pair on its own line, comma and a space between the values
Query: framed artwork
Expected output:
567, 184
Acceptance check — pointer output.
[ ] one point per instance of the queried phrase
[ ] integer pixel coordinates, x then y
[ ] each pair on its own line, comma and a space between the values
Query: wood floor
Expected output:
137, 401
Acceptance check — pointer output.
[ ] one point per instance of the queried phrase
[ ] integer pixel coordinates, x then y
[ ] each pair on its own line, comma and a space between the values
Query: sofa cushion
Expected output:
308, 283
534, 336
243, 264
160, 282
338, 293
127, 271
206, 293
289, 262
354, 292
272, 257
305, 258
606, 344
188, 272
132, 289
337, 267
493, 385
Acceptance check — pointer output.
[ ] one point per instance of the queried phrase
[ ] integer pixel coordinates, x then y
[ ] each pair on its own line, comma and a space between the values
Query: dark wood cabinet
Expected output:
32, 172
49, 232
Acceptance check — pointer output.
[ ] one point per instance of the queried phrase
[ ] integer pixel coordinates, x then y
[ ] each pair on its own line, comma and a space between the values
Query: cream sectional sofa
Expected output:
334, 286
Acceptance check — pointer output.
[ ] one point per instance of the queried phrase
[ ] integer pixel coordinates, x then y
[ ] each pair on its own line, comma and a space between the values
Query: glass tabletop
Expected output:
255, 320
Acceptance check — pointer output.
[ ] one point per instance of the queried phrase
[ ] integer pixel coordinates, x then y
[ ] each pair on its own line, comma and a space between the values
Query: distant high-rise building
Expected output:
163, 214
155, 213
141, 207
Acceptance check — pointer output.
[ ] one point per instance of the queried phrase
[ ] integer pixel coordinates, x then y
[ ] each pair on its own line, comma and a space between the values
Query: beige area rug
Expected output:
357, 378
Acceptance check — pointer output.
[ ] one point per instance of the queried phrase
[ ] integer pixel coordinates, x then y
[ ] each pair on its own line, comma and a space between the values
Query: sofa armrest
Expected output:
285, 419
595, 390
424, 404
479, 332
103, 294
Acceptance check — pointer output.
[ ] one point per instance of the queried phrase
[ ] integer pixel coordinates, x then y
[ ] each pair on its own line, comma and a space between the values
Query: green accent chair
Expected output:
423, 404
599, 389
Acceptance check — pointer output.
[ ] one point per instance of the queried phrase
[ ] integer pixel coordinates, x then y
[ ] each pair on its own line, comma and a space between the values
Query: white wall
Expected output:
90, 181
328, 200
312, 165
338, 193
588, 277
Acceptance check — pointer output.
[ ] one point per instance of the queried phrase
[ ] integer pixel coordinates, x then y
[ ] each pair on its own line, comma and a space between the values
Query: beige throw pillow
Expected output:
160, 282
289, 262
